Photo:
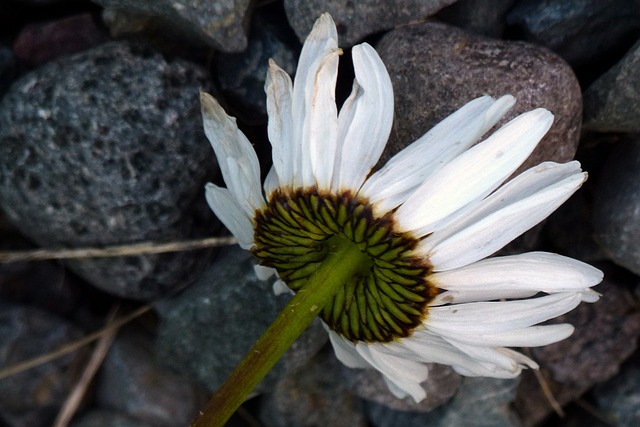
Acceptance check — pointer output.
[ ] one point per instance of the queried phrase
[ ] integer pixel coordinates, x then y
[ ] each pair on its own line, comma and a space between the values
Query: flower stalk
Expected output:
344, 261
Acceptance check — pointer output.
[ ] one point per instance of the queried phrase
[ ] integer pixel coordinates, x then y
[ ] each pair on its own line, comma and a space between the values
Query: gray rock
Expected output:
606, 335
619, 398
207, 329
612, 103
33, 397
479, 402
616, 216
314, 395
486, 17
132, 382
241, 76
219, 23
358, 19
8, 68
106, 147
436, 68
441, 386
104, 418
581, 31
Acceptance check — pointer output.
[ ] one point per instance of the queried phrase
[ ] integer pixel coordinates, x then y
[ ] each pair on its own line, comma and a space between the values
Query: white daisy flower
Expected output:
426, 221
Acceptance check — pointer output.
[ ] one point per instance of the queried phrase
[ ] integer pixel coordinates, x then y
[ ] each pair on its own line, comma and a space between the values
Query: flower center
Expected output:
388, 297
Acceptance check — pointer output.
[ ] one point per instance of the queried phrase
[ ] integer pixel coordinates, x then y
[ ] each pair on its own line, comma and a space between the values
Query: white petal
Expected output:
490, 317
231, 214
475, 173
236, 157
405, 374
346, 351
391, 185
489, 355
479, 294
532, 336
506, 218
271, 182
535, 271
365, 120
264, 273
279, 288
285, 151
314, 111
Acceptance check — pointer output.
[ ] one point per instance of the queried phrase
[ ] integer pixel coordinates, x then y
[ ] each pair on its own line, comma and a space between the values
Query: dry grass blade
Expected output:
548, 394
72, 403
143, 248
32, 363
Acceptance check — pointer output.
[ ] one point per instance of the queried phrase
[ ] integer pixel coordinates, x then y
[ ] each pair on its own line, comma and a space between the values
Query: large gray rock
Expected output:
612, 103
479, 402
619, 398
358, 19
132, 382
616, 216
32, 398
436, 68
219, 23
8, 68
207, 329
106, 147
486, 17
581, 31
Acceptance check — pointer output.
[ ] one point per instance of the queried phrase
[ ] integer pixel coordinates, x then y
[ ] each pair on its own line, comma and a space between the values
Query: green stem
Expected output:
344, 261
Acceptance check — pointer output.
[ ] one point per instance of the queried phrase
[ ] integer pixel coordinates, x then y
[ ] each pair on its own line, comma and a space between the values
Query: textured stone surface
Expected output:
219, 23
368, 384
436, 68
241, 76
616, 215
486, 17
358, 19
32, 398
104, 418
606, 334
581, 31
314, 395
619, 398
40, 42
105, 147
132, 382
7, 67
207, 329
479, 402
612, 103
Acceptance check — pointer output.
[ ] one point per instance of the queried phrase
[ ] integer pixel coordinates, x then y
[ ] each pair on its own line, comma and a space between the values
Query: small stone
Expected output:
206, 330
616, 216
436, 69
314, 395
132, 382
619, 398
241, 76
479, 402
606, 334
485, 17
356, 20
38, 43
218, 23
106, 147
612, 103
368, 384
581, 31
33, 397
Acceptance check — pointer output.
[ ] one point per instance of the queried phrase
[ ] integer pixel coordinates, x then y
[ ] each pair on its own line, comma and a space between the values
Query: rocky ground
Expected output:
101, 144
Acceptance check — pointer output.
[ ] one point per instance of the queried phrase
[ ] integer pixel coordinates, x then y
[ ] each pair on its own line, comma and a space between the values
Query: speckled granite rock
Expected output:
441, 386
616, 217
219, 23
358, 19
314, 395
32, 398
106, 147
606, 334
436, 68
209, 327
612, 103
479, 402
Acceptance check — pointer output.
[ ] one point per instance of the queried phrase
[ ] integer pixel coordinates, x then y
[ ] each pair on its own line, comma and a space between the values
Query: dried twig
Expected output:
68, 348
72, 403
548, 394
143, 248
